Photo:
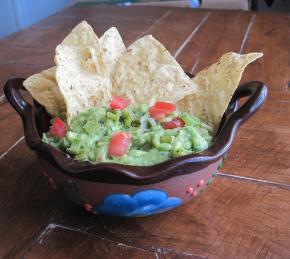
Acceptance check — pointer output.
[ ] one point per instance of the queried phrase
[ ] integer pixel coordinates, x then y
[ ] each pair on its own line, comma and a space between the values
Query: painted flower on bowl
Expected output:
142, 203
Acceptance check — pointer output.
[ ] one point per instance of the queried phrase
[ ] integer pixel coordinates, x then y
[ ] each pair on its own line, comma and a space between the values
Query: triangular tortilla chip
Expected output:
216, 85
112, 48
44, 89
43, 86
81, 74
147, 72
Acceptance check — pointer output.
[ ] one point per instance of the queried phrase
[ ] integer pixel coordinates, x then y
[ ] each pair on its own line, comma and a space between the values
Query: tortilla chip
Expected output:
147, 72
44, 90
81, 74
112, 48
216, 84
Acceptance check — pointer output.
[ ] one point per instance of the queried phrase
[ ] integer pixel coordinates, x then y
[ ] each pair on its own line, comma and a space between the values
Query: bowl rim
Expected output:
138, 175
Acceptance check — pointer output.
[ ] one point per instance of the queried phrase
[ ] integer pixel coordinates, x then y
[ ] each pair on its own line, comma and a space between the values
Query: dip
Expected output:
127, 134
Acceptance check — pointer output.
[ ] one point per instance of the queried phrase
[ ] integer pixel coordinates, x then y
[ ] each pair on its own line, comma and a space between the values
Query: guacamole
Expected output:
139, 137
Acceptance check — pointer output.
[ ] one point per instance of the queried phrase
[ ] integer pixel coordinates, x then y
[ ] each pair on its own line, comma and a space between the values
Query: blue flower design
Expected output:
142, 203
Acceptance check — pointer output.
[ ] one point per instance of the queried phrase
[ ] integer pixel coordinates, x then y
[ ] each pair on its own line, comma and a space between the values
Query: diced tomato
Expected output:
119, 103
119, 143
167, 108
175, 123
58, 128
156, 113
161, 109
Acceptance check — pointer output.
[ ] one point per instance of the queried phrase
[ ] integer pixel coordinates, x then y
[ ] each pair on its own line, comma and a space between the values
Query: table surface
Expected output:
243, 214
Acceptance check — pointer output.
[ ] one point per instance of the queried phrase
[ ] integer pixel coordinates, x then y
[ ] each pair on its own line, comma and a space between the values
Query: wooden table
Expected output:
244, 214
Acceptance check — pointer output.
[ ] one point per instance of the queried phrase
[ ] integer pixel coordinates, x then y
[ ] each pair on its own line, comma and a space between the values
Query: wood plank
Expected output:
50, 32
11, 55
10, 127
223, 32
126, 19
115, 13
185, 22
46, 40
59, 242
261, 148
228, 32
270, 35
27, 201
45, 36
10, 70
232, 219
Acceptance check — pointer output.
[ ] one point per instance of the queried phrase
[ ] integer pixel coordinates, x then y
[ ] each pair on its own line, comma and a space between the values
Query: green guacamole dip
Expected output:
90, 132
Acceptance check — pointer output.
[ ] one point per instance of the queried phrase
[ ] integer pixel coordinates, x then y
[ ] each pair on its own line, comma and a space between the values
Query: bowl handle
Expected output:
256, 93
24, 109
234, 115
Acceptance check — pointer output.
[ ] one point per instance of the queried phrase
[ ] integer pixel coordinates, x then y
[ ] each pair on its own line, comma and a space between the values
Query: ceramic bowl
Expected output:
132, 191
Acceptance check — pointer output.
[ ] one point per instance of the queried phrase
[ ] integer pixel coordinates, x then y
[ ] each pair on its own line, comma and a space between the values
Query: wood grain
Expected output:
26, 57
61, 242
65, 243
114, 13
50, 32
173, 36
10, 127
14, 69
270, 35
223, 32
261, 149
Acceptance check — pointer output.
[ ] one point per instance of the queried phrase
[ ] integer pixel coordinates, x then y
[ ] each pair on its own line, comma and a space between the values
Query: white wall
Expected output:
18, 14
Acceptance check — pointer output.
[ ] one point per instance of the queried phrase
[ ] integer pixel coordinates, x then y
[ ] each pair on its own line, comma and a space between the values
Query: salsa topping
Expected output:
175, 123
119, 103
58, 128
161, 109
119, 144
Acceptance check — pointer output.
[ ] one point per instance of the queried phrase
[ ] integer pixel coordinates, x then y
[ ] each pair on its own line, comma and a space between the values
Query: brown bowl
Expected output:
130, 191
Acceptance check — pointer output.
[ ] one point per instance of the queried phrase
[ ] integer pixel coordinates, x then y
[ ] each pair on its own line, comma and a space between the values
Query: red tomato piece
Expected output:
58, 128
167, 108
119, 144
175, 123
156, 113
119, 103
